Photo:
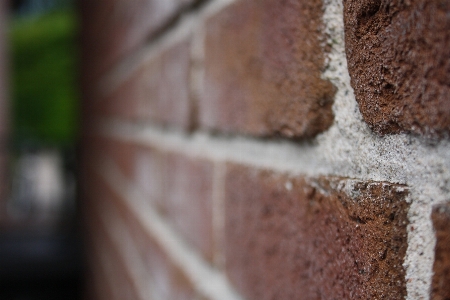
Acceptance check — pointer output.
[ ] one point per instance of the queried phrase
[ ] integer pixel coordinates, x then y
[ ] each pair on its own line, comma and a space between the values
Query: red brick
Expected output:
157, 91
168, 281
263, 62
112, 29
441, 267
120, 152
106, 264
149, 174
304, 238
163, 95
188, 199
398, 62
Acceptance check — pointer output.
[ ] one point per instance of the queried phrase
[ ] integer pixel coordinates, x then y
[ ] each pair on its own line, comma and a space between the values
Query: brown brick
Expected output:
120, 152
113, 28
326, 238
441, 268
149, 174
167, 280
158, 91
262, 70
163, 95
106, 264
398, 61
188, 199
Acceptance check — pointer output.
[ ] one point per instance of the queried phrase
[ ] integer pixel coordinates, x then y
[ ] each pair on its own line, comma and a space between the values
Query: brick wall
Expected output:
266, 149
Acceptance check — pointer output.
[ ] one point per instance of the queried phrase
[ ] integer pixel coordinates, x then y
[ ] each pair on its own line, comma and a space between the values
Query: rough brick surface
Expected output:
441, 268
398, 62
326, 238
262, 70
188, 199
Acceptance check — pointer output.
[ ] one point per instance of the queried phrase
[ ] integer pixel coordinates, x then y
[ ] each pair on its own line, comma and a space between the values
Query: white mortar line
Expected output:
277, 155
121, 238
209, 282
347, 149
351, 147
188, 24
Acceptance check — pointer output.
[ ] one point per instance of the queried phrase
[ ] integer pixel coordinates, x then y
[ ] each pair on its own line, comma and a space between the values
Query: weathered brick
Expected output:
441, 268
263, 62
304, 238
398, 62
188, 199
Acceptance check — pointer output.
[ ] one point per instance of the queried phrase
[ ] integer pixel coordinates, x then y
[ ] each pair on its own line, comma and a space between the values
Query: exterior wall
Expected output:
230, 153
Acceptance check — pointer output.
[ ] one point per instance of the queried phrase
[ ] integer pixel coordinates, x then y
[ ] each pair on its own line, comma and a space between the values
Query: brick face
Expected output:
441, 268
157, 91
398, 62
263, 62
113, 28
303, 238
188, 199
205, 90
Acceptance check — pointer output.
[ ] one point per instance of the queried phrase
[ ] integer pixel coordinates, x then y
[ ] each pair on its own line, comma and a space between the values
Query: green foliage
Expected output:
44, 57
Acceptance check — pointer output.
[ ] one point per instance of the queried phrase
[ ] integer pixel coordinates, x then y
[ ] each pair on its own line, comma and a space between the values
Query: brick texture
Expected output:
398, 62
263, 62
168, 282
113, 28
325, 238
157, 91
164, 278
441, 268
188, 199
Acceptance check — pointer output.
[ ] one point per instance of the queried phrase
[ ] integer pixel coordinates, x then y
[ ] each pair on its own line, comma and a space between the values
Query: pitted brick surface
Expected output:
262, 70
326, 238
398, 58
441, 268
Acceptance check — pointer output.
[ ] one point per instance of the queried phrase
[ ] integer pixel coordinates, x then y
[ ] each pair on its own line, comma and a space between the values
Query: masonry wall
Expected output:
266, 149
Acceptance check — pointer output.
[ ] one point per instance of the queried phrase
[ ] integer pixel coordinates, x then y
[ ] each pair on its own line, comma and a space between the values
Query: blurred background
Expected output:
40, 246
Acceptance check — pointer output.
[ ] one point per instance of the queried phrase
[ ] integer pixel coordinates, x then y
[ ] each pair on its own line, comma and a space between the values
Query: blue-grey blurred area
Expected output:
40, 244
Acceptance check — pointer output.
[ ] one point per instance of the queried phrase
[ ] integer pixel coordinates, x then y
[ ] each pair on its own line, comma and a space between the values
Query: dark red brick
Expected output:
398, 62
303, 238
188, 199
263, 62
441, 267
